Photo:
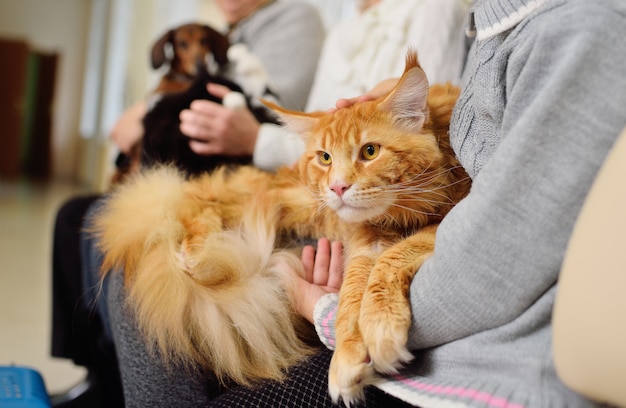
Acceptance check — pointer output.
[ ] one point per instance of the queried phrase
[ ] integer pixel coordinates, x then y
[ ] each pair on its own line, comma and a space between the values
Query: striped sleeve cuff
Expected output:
324, 315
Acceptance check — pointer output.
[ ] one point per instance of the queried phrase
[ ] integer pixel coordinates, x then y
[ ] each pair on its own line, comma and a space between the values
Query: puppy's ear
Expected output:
157, 55
219, 45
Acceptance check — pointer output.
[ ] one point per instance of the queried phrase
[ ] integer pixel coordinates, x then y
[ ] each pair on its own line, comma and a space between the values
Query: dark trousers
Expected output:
77, 331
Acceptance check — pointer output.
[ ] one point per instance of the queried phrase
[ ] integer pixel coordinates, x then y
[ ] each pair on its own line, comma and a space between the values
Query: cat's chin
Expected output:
351, 214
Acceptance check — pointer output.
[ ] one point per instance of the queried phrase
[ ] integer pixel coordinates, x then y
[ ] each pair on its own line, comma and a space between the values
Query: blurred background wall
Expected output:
70, 67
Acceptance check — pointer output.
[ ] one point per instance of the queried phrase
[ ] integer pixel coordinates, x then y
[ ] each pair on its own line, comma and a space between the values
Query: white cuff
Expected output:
275, 147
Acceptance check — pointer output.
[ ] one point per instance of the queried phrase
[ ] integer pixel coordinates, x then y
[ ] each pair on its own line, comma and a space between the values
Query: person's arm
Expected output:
501, 248
276, 146
128, 130
215, 129
382, 88
287, 37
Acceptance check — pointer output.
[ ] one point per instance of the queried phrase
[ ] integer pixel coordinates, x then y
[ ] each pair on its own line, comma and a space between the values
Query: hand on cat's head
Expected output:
381, 89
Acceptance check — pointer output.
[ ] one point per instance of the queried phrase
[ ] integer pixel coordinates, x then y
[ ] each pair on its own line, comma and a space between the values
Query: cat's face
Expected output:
361, 164
375, 159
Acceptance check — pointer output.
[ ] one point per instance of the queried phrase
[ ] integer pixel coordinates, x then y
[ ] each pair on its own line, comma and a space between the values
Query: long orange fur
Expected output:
200, 258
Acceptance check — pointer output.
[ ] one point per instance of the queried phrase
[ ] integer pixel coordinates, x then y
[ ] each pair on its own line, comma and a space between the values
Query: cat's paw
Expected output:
349, 373
385, 330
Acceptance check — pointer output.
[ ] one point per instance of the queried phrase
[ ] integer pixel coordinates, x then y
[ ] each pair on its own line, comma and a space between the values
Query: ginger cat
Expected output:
202, 269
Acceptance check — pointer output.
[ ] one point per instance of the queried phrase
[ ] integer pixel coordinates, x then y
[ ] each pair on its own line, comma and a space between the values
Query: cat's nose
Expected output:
339, 188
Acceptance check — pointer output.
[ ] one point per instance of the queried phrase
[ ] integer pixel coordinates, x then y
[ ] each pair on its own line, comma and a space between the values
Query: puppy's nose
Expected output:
200, 64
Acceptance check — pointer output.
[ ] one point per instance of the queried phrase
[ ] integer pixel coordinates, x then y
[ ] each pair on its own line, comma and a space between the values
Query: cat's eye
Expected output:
370, 151
324, 158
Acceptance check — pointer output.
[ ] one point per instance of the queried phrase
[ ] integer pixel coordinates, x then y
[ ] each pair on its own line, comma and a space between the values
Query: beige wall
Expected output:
58, 26
151, 18
62, 26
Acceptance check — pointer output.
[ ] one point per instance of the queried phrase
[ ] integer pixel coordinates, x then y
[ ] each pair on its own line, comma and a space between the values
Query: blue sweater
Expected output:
543, 101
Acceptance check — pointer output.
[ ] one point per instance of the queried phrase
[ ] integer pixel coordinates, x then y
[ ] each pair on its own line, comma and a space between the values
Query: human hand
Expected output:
215, 129
381, 89
323, 274
128, 130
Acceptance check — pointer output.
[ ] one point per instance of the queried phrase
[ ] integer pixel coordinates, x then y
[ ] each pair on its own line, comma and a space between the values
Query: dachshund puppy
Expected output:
194, 48
163, 141
198, 54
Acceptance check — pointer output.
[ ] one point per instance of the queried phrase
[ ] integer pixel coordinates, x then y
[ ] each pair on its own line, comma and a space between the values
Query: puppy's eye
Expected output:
182, 44
370, 151
324, 158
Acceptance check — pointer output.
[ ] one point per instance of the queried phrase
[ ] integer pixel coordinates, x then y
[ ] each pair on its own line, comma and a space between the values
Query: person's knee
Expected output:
71, 213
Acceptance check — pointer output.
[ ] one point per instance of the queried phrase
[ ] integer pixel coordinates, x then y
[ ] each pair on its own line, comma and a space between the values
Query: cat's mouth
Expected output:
352, 213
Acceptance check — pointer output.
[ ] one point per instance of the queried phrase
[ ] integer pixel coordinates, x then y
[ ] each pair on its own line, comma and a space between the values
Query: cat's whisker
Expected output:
390, 219
396, 188
438, 199
414, 195
426, 177
418, 194
429, 169
419, 180
434, 198
415, 210
322, 206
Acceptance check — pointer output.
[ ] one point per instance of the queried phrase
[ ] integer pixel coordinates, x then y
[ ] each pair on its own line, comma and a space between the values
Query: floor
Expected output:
26, 218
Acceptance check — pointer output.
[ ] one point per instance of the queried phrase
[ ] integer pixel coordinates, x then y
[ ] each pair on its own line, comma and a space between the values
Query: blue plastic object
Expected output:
22, 387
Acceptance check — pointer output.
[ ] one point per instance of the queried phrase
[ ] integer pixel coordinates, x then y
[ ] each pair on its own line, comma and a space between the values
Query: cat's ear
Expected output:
408, 100
298, 122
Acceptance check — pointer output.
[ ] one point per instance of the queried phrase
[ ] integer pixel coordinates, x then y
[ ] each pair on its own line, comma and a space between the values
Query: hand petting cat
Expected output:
382, 88
323, 274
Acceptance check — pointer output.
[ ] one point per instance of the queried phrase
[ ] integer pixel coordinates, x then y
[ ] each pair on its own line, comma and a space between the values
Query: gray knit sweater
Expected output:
543, 101
287, 37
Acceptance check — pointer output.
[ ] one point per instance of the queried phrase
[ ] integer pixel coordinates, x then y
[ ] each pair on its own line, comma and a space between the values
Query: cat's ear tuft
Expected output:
298, 122
408, 101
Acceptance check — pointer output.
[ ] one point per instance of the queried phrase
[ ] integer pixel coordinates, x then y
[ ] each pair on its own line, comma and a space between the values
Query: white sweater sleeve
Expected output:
275, 147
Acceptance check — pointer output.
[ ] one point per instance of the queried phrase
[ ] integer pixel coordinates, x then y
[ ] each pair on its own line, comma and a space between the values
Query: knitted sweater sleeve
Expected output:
287, 37
562, 90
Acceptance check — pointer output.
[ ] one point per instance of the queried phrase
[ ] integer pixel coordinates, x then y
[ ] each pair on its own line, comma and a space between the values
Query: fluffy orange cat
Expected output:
202, 271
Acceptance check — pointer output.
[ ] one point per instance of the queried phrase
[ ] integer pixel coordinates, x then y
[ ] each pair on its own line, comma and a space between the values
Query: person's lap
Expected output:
147, 381
77, 330
91, 257
72, 327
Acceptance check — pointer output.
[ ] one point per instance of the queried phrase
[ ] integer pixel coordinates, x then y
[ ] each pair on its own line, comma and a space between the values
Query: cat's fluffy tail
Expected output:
218, 304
